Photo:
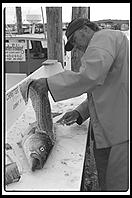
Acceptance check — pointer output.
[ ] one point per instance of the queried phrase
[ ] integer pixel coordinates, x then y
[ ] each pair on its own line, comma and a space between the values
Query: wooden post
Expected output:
43, 22
89, 13
54, 33
19, 20
76, 54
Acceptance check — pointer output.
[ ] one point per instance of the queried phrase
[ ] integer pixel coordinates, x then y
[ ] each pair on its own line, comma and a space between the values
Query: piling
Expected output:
54, 33
19, 20
76, 54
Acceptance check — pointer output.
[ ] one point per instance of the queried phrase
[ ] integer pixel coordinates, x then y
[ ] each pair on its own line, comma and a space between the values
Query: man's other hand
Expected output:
69, 118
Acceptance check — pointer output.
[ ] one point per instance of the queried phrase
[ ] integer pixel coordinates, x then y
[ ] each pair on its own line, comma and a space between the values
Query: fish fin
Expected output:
24, 89
55, 114
33, 124
33, 127
30, 132
30, 129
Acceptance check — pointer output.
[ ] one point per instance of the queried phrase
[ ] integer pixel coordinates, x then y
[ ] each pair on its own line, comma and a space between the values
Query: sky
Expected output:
98, 11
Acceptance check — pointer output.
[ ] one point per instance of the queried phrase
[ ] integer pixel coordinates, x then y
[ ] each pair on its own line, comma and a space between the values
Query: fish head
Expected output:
38, 159
39, 150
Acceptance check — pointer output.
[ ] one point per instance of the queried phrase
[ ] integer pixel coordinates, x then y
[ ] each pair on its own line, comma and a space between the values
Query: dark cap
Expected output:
75, 25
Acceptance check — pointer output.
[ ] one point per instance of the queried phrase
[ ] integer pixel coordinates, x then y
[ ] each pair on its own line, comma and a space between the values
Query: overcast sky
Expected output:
98, 11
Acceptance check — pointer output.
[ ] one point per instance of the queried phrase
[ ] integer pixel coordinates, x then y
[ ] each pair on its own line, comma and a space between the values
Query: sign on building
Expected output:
15, 51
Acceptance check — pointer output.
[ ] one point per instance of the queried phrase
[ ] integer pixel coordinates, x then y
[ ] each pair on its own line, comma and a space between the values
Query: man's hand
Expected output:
40, 85
69, 118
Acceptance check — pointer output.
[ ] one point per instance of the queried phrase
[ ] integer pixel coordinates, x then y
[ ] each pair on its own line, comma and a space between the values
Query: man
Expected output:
104, 77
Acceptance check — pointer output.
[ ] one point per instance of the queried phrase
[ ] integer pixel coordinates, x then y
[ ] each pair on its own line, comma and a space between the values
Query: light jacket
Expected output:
104, 73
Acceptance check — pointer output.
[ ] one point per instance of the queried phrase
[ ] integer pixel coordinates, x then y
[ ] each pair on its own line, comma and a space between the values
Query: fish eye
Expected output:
41, 148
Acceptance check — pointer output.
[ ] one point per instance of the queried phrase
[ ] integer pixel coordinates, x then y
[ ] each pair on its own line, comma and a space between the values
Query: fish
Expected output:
42, 107
41, 138
12, 173
35, 89
37, 146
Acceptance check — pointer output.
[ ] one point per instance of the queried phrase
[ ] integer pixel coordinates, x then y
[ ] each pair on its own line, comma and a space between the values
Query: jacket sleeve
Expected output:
68, 84
83, 111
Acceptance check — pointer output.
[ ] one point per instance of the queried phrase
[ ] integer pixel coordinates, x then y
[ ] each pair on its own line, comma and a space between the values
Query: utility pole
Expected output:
54, 33
76, 54
19, 20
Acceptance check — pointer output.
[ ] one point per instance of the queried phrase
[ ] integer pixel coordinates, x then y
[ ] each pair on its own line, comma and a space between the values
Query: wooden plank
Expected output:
37, 37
